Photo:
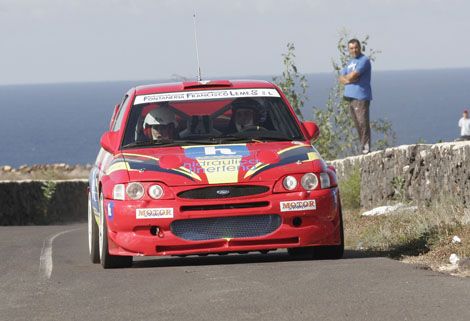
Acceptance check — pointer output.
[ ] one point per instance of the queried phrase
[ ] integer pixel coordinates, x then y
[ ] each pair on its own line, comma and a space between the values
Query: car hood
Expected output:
220, 164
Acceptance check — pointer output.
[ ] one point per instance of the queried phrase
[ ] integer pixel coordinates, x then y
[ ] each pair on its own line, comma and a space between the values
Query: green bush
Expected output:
350, 189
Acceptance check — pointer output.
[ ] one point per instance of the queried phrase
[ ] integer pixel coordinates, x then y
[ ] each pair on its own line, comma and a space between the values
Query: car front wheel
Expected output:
109, 261
327, 252
93, 242
332, 252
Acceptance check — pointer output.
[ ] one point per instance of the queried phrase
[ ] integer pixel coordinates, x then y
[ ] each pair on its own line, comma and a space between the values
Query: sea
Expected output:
63, 122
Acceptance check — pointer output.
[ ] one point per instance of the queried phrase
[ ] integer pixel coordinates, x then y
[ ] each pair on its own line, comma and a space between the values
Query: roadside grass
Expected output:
351, 190
437, 258
426, 232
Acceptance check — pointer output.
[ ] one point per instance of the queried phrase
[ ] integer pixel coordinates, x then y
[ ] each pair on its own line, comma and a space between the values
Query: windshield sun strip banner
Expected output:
206, 94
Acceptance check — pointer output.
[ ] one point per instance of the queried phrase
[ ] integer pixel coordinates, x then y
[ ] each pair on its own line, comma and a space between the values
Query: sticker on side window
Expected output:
303, 205
143, 213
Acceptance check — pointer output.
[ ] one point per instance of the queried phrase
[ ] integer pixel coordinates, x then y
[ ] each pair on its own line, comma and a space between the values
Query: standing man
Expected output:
464, 124
357, 91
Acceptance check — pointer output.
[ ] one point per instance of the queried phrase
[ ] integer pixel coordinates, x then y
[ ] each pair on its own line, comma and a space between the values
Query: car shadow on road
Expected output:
277, 256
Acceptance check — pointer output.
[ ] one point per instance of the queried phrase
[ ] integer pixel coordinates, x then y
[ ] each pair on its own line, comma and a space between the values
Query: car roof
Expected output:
202, 85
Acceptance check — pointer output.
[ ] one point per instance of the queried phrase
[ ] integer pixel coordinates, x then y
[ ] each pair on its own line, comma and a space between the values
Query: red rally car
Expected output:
210, 167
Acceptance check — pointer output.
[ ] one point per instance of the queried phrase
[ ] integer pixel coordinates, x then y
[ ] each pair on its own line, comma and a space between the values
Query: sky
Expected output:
54, 41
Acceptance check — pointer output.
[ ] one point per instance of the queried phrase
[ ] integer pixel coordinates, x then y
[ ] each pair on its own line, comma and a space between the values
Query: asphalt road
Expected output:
233, 287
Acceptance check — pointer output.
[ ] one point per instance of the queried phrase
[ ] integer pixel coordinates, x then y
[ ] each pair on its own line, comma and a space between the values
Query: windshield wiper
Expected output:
210, 140
160, 142
233, 138
251, 137
272, 138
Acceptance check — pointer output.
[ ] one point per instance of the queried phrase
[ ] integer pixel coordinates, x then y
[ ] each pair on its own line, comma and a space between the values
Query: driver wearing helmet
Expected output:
160, 124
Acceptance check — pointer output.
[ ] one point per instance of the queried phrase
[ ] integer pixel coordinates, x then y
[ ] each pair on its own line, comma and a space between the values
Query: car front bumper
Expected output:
129, 235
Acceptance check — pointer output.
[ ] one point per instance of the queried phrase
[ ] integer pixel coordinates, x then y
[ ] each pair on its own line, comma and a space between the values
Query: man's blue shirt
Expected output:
360, 89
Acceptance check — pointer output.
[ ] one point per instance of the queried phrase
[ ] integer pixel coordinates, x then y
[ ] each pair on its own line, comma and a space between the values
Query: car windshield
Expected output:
209, 117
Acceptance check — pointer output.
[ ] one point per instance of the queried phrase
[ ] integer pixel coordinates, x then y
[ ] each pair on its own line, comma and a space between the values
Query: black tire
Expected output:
332, 252
328, 252
109, 261
301, 252
93, 235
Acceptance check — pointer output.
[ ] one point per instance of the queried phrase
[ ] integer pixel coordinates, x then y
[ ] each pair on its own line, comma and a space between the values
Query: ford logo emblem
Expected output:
223, 192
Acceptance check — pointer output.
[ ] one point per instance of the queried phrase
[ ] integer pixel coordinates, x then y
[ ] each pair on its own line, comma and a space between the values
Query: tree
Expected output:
292, 83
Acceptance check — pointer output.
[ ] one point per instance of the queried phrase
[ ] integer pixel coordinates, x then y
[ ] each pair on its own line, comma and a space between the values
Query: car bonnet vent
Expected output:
206, 84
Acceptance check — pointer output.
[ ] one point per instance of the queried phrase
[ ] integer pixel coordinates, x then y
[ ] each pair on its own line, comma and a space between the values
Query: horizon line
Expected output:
173, 79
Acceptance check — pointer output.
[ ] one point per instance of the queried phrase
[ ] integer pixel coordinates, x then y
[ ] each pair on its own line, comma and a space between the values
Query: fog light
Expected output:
289, 183
135, 191
156, 191
309, 181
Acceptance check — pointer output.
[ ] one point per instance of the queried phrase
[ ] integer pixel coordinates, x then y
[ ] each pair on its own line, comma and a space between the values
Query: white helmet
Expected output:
160, 116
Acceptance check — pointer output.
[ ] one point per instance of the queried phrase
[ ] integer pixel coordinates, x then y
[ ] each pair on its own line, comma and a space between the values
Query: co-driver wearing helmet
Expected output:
244, 118
247, 115
160, 124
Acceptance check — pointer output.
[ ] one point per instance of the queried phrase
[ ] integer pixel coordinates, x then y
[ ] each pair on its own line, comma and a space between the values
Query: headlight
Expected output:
118, 192
135, 191
325, 180
309, 181
155, 191
289, 183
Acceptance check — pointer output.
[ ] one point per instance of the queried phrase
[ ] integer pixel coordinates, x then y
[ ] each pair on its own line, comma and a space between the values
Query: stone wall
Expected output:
42, 202
419, 173
44, 171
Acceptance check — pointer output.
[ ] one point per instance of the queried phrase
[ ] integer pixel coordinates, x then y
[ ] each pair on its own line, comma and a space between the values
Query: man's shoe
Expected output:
366, 149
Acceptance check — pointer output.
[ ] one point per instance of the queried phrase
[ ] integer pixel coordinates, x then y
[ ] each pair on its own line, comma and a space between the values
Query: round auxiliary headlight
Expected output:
135, 191
155, 191
289, 183
309, 181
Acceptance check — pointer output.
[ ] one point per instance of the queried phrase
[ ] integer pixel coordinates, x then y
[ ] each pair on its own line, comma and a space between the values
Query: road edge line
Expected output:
45, 260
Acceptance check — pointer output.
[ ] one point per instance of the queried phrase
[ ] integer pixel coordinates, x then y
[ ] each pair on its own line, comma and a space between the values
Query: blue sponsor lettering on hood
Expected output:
216, 151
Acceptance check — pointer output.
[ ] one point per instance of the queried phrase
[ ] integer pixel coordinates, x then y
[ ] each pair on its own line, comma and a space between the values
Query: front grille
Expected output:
222, 206
223, 191
225, 227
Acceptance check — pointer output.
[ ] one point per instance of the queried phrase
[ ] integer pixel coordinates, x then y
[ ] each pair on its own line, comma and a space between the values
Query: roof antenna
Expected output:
199, 77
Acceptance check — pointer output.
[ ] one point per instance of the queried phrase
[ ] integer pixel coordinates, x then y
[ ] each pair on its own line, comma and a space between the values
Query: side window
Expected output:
120, 115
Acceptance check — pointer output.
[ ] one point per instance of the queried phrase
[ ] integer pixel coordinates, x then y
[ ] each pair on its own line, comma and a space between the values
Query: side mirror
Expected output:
312, 130
109, 141
113, 118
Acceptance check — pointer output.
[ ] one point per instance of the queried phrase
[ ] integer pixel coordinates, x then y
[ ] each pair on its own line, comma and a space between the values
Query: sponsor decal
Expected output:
196, 152
110, 210
143, 213
221, 163
138, 162
205, 94
224, 165
303, 205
